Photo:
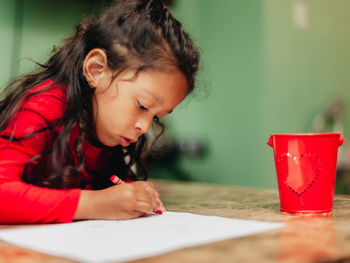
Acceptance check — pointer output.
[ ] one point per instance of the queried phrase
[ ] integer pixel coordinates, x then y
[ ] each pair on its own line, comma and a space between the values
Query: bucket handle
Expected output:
341, 140
270, 142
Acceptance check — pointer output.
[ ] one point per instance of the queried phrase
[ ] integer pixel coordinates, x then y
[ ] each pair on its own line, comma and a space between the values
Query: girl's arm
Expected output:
24, 203
21, 202
122, 201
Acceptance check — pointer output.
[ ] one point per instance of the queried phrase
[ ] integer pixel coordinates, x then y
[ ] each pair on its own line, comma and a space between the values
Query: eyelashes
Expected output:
156, 119
143, 108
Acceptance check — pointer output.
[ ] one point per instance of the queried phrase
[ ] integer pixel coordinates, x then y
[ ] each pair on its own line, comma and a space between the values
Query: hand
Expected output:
123, 201
116, 180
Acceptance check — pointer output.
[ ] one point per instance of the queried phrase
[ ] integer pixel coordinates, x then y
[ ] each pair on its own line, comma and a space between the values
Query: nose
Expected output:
143, 125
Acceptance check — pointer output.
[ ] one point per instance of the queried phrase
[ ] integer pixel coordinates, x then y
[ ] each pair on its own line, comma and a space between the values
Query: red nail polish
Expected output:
159, 212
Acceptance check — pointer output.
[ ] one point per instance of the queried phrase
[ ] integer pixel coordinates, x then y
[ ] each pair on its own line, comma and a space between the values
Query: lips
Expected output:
126, 141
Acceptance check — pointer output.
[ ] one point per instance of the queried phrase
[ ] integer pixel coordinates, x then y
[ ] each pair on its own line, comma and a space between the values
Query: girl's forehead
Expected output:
165, 88
154, 82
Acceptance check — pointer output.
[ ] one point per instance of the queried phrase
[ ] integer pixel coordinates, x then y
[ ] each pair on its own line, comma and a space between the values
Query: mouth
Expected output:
126, 141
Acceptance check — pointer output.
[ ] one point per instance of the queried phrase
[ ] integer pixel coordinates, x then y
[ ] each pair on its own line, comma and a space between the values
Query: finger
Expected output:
160, 206
144, 207
154, 193
151, 198
157, 203
142, 195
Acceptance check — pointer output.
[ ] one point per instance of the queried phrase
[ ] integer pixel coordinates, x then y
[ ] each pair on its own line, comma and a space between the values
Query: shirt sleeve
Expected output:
21, 202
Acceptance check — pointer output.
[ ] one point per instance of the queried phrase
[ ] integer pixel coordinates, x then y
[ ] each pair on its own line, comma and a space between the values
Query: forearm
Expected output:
122, 201
25, 203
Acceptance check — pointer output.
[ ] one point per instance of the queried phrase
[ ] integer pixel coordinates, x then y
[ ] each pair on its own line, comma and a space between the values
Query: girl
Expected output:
65, 130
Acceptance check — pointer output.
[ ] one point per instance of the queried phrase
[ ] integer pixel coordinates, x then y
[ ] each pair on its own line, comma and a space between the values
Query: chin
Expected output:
108, 143
111, 144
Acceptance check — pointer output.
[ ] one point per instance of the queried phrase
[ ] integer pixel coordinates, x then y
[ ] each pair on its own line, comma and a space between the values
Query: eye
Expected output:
141, 107
156, 119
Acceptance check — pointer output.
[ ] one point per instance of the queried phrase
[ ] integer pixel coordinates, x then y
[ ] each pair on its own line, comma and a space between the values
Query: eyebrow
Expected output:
154, 96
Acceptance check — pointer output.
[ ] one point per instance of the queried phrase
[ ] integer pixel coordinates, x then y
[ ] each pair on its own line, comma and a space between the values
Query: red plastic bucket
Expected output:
306, 167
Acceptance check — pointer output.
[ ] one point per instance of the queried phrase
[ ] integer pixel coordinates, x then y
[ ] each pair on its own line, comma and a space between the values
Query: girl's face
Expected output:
125, 108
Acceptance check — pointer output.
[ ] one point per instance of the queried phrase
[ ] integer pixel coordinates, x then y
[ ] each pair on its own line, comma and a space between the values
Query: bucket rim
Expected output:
309, 134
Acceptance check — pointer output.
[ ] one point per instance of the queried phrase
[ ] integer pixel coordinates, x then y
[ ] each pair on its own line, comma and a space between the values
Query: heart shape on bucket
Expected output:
299, 172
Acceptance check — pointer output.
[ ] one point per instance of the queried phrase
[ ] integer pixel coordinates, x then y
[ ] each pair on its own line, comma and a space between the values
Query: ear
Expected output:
95, 67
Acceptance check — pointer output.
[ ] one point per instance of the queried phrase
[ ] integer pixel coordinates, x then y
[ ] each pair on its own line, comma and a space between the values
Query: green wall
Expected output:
265, 75
225, 111
7, 21
30, 29
260, 73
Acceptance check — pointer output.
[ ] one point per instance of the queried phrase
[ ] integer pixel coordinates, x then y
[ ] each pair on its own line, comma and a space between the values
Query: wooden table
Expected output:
305, 238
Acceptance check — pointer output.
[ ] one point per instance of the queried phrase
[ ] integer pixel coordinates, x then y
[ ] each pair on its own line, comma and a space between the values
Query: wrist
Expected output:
86, 204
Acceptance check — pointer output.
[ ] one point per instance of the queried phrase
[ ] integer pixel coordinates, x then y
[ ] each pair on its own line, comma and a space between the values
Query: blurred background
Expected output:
267, 67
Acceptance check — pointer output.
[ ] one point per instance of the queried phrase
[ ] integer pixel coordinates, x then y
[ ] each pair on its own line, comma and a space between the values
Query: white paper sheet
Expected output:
117, 241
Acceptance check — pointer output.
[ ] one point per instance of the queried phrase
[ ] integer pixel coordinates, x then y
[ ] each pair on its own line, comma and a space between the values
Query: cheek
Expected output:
115, 116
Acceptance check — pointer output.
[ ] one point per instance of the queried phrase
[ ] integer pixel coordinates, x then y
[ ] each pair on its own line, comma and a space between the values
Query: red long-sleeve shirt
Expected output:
25, 203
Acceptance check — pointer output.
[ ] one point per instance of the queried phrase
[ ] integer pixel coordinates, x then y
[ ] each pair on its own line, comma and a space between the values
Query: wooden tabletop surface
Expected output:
305, 238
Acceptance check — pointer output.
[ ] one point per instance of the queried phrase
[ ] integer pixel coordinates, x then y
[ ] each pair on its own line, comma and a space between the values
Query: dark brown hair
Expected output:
137, 34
